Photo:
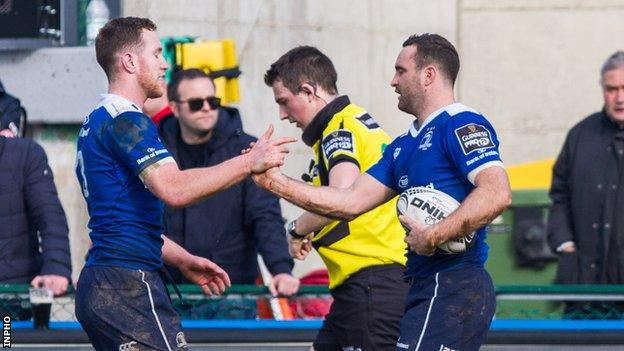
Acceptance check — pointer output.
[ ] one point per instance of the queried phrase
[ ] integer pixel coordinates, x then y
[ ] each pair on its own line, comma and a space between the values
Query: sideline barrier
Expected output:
549, 329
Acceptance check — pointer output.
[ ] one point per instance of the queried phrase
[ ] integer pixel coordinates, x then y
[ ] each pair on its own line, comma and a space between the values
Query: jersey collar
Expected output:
118, 100
414, 131
314, 130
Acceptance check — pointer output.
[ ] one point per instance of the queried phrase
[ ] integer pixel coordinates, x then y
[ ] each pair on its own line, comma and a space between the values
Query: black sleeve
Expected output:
264, 215
46, 214
560, 218
11, 112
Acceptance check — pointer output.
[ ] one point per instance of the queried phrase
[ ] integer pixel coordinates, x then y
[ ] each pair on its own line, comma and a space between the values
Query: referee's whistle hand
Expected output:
300, 248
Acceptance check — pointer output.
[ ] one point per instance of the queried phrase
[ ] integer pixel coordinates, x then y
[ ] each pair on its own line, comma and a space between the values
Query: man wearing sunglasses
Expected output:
244, 220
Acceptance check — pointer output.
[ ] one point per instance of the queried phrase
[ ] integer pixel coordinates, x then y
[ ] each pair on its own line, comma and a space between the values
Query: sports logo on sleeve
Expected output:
340, 141
473, 137
368, 121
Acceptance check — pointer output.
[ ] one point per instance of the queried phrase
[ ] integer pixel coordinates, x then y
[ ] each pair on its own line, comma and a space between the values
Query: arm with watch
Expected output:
301, 230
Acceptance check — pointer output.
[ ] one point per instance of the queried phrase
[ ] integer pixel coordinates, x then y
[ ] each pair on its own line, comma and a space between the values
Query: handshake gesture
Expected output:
265, 156
265, 153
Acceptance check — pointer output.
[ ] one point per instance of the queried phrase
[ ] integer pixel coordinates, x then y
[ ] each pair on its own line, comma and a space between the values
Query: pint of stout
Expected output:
41, 303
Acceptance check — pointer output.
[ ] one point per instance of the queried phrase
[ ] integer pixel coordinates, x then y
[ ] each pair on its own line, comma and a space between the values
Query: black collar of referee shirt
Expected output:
314, 130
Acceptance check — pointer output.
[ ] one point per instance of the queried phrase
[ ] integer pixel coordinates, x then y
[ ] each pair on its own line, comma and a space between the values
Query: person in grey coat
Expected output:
586, 223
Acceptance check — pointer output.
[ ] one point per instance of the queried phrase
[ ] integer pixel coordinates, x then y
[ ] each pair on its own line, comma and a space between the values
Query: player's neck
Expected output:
434, 103
128, 90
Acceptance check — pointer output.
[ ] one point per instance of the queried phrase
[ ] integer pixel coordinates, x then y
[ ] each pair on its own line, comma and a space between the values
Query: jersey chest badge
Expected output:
425, 143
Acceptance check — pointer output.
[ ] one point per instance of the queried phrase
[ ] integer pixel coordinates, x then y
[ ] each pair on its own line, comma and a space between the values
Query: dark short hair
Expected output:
303, 64
433, 48
179, 76
119, 34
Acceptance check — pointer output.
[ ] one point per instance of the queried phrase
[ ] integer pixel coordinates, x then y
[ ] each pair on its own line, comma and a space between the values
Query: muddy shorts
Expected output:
448, 311
125, 309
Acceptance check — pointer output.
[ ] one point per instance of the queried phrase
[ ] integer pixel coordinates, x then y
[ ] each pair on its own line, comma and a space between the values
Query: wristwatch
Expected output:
290, 228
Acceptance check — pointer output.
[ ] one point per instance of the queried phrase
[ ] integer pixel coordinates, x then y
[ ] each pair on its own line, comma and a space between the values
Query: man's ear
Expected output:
128, 62
175, 108
430, 74
307, 89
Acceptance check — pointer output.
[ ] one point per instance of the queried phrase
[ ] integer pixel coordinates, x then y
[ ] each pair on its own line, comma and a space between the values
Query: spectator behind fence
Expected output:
231, 227
33, 237
586, 224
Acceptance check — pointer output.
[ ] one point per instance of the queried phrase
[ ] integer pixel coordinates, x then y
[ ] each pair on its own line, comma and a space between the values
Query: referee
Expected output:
365, 257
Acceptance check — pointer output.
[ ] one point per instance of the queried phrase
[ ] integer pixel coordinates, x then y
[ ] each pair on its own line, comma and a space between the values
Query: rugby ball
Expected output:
429, 206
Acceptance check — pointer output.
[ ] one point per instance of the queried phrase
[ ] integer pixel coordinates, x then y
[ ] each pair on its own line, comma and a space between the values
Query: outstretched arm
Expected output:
182, 188
341, 175
201, 271
345, 204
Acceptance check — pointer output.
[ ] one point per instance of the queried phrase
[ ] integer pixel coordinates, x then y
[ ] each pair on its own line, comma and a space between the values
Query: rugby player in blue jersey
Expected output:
449, 147
126, 173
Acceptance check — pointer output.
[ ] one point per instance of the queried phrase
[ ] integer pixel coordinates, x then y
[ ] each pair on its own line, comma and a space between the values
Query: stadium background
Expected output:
532, 67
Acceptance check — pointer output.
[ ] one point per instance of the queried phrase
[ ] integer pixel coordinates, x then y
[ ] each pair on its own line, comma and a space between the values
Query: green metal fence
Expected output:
240, 302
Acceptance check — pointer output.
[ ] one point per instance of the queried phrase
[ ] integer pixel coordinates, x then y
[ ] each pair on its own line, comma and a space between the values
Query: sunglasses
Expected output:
196, 104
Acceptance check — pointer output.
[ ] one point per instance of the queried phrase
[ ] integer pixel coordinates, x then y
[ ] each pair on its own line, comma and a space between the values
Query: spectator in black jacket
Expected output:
231, 227
586, 223
34, 243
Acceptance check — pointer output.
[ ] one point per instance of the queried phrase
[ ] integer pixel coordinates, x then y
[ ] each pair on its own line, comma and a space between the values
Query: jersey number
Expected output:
82, 178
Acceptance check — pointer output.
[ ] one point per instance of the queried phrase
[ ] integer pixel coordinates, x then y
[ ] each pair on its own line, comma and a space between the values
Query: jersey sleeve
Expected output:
472, 144
383, 170
133, 139
339, 145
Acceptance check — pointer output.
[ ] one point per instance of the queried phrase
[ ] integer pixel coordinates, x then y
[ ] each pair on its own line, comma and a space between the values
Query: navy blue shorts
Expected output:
366, 311
124, 309
448, 311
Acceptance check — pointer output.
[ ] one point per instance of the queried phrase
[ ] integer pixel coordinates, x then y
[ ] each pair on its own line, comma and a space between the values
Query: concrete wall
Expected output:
531, 66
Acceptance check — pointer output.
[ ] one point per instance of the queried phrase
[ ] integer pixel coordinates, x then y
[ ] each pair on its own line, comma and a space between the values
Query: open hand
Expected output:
419, 238
211, 278
267, 153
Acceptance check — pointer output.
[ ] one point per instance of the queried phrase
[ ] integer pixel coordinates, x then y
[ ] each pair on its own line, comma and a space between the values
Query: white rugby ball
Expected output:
429, 206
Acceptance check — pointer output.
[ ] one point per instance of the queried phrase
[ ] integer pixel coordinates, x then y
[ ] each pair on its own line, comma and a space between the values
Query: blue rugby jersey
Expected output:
445, 153
117, 144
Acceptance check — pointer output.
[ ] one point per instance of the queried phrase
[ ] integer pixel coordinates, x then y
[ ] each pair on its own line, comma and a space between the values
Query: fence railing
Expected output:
550, 302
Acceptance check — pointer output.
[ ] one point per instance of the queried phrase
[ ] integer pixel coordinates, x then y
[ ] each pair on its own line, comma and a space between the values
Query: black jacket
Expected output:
585, 187
232, 226
29, 204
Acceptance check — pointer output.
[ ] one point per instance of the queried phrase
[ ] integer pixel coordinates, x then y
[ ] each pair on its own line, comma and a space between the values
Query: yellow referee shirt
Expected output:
344, 132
